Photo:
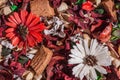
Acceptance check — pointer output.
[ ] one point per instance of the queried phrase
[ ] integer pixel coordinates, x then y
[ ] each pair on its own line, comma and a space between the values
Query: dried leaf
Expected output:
109, 6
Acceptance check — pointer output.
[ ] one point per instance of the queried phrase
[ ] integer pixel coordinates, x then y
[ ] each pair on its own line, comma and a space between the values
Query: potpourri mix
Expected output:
59, 39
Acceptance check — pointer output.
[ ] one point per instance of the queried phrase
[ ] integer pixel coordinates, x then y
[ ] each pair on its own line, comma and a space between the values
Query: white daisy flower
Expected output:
89, 59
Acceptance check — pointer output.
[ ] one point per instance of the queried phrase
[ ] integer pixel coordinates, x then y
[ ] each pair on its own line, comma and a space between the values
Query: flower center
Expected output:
22, 31
90, 60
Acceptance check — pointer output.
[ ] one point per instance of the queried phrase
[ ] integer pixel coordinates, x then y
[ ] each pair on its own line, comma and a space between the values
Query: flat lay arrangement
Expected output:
59, 39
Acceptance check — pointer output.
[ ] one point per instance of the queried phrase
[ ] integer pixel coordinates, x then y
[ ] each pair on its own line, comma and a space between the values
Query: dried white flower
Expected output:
7, 44
89, 59
31, 53
57, 29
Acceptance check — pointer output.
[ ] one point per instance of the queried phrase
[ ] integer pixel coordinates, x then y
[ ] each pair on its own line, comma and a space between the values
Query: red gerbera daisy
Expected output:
24, 29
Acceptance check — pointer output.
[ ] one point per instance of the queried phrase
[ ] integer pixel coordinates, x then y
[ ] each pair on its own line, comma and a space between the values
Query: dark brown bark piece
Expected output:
41, 8
41, 60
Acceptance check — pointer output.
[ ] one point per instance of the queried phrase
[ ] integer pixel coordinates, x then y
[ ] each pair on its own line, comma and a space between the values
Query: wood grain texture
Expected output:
41, 60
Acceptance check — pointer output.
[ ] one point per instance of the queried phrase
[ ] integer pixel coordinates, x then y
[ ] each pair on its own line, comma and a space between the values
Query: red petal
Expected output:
39, 27
10, 30
30, 40
37, 36
20, 45
10, 35
15, 41
34, 22
29, 19
16, 15
11, 18
11, 24
23, 15
103, 40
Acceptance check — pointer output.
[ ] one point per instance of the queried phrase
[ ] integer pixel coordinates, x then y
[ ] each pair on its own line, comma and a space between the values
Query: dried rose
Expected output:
5, 75
88, 6
24, 29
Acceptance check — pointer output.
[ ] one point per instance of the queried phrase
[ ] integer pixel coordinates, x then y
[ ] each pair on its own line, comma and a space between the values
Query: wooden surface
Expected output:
41, 60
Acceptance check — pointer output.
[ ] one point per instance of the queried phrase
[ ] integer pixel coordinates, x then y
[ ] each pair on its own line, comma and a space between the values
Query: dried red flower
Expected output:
88, 6
24, 29
5, 75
